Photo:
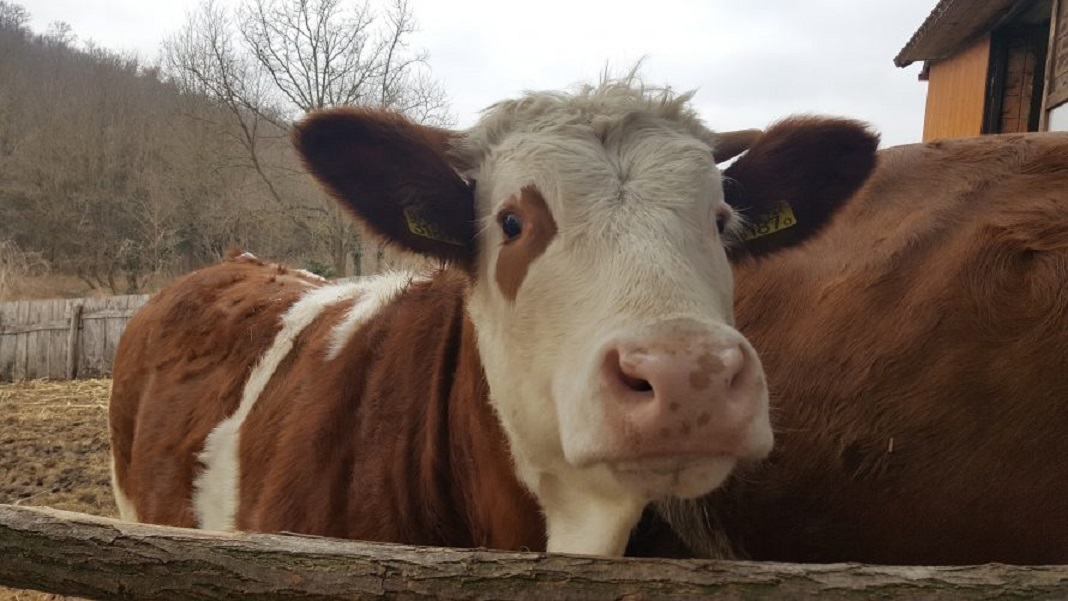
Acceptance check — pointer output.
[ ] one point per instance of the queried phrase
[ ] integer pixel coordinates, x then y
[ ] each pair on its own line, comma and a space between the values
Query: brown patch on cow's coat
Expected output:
419, 459
169, 364
539, 229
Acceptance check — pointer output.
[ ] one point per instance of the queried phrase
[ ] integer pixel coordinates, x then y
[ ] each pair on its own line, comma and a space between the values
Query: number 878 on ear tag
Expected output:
765, 224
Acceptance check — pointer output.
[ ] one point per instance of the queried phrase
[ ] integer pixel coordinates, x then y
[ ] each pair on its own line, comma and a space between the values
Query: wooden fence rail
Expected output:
75, 554
62, 338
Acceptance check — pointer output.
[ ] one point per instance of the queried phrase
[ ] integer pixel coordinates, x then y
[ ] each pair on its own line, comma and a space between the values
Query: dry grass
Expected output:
54, 285
54, 451
48, 286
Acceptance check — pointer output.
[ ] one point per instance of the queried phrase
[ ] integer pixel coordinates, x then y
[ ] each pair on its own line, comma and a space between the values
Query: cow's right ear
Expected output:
794, 179
729, 144
393, 175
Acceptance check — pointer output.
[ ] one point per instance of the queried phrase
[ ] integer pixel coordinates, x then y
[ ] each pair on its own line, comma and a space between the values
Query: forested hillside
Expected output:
123, 174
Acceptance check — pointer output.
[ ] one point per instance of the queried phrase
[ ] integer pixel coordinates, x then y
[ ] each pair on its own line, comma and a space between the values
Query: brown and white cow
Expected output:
573, 360
917, 354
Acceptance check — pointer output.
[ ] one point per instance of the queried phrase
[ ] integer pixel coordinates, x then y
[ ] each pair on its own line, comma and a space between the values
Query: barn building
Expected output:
992, 66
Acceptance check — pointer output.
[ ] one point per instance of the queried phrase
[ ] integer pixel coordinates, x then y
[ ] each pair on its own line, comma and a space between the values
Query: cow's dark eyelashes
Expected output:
721, 224
511, 225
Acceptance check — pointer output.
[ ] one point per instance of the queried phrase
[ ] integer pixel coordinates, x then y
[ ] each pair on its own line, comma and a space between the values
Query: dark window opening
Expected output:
1016, 76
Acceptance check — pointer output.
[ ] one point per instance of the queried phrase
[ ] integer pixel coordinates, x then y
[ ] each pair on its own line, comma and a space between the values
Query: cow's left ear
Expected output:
394, 176
795, 177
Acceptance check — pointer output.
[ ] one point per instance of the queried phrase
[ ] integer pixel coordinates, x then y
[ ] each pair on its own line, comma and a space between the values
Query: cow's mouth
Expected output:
681, 477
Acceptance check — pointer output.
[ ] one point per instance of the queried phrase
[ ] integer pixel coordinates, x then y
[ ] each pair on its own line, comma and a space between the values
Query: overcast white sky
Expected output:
752, 61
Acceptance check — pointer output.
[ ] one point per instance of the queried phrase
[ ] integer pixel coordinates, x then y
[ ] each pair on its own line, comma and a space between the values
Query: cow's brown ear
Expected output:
394, 176
729, 144
795, 177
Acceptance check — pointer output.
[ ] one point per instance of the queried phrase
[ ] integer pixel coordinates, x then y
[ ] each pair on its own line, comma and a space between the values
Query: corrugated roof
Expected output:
950, 26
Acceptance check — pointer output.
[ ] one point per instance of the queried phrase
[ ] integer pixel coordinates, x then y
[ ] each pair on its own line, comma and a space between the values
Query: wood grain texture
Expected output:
36, 336
77, 554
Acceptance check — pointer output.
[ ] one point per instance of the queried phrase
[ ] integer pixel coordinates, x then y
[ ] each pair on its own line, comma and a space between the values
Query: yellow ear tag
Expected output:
419, 225
779, 218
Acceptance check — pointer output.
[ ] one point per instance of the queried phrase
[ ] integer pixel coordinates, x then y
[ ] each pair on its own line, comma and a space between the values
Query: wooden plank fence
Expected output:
63, 338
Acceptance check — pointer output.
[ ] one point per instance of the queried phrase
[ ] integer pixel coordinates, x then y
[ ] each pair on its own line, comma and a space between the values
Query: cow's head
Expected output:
595, 231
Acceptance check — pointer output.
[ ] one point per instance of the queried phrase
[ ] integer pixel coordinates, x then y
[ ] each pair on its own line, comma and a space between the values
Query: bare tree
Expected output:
121, 179
16, 263
14, 17
272, 60
319, 54
205, 59
60, 32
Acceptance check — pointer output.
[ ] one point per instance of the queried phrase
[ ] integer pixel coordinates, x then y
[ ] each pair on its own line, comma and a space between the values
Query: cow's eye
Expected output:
511, 225
721, 223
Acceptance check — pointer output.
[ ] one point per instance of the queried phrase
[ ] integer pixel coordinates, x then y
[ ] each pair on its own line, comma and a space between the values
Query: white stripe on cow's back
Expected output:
379, 292
215, 489
310, 275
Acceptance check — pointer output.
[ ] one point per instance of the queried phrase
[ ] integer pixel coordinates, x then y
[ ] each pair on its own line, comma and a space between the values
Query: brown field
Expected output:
54, 451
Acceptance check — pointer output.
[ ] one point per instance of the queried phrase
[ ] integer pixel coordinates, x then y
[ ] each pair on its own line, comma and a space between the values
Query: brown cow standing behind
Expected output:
574, 360
917, 354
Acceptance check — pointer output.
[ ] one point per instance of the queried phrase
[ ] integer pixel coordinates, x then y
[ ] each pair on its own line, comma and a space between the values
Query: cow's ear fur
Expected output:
393, 175
812, 165
729, 144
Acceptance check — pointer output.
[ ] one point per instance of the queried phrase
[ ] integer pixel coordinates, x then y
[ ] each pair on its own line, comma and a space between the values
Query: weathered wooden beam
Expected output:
72, 340
76, 554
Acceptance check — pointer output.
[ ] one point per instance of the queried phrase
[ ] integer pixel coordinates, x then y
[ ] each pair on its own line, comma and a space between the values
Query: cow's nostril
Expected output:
626, 373
635, 384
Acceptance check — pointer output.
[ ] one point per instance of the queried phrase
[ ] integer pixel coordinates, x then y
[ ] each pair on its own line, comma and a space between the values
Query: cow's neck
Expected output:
484, 492
501, 512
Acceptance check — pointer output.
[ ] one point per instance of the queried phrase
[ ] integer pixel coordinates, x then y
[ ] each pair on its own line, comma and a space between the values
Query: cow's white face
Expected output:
603, 301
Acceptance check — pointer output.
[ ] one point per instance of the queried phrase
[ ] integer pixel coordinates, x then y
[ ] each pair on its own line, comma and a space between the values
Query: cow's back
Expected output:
916, 353
251, 397
180, 370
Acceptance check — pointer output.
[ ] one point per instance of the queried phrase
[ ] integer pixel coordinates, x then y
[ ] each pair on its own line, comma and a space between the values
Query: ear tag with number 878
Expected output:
779, 218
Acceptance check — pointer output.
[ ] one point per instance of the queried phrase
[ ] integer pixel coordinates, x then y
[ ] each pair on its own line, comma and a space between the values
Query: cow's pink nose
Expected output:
690, 396
646, 371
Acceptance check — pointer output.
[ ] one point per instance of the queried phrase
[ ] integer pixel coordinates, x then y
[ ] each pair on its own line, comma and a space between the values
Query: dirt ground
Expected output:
54, 451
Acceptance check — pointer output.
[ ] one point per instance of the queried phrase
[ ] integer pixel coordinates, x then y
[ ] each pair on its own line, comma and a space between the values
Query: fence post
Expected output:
72, 340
